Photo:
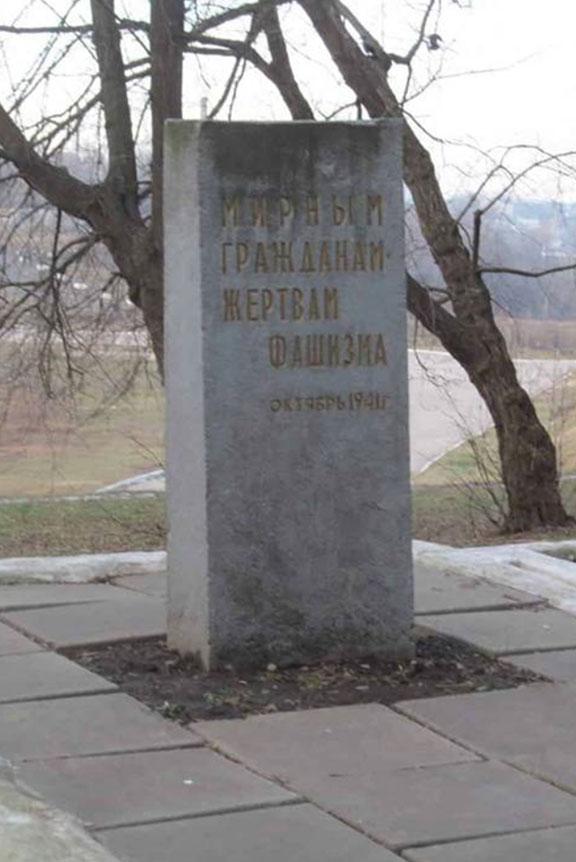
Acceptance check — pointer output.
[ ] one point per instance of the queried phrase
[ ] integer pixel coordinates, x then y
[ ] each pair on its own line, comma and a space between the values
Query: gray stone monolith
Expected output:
286, 375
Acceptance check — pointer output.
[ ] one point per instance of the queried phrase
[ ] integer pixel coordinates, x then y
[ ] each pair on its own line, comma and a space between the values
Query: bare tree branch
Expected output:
166, 26
528, 273
54, 183
122, 172
215, 21
283, 74
74, 29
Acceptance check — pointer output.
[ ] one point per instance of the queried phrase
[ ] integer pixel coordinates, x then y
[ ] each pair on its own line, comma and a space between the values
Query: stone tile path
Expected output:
549, 845
508, 632
438, 592
559, 665
294, 833
41, 675
13, 643
73, 625
150, 786
484, 777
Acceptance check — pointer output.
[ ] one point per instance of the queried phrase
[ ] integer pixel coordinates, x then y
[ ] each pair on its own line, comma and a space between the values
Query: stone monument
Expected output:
286, 376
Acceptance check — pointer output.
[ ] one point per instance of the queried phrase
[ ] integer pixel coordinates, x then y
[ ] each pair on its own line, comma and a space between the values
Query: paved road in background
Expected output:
445, 408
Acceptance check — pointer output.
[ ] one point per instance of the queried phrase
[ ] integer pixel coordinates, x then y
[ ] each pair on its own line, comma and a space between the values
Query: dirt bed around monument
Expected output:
177, 689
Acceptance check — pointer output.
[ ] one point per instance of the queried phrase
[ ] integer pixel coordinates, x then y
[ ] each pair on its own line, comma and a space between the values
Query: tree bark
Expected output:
528, 457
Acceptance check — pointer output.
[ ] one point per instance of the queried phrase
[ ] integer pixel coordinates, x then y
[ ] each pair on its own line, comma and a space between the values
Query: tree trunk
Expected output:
527, 455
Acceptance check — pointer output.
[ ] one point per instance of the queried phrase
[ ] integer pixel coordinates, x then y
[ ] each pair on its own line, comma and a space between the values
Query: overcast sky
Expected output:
527, 98
507, 78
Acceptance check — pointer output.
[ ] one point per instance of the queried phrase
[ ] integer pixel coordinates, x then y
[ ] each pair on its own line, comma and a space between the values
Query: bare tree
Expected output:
122, 209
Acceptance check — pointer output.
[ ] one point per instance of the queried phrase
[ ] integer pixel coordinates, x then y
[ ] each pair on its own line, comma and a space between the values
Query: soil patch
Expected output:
179, 690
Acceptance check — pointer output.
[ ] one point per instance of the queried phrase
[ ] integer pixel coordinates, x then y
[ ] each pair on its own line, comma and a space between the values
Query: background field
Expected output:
112, 429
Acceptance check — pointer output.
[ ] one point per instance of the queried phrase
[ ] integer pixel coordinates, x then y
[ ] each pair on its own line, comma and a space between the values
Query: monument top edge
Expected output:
371, 123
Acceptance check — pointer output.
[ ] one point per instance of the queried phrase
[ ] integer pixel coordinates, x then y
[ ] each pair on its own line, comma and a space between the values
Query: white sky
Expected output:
508, 79
528, 99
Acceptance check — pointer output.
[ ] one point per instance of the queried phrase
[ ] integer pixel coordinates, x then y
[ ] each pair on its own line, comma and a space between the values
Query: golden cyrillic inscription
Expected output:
267, 211
293, 304
320, 350
347, 401
262, 258
283, 238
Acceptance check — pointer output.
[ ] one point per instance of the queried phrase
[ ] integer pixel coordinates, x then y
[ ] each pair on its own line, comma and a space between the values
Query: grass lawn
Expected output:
54, 528
447, 514
459, 515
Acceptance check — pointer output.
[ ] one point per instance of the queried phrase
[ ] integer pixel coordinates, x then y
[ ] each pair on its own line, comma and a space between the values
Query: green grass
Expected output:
56, 528
460, 515
448, 514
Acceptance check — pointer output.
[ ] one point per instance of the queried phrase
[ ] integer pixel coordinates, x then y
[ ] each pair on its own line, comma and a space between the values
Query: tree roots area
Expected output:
179, 690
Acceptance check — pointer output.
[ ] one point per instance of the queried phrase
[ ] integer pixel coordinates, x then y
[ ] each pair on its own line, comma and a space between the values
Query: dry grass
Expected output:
526, 337
75, 446
557, 410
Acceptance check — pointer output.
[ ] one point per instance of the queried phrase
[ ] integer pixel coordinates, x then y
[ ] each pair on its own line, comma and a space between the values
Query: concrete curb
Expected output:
31, 831
532, 567
151, 482
82, 569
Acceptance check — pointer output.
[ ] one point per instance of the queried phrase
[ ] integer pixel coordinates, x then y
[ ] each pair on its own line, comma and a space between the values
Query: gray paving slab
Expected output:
147, 786
151, 585
508, 632
438, 591
320, 742
442, 803
31, 831
550, 845
105, 723
43, 675
559, 665
13, 643
292, 833
135, 616
44, 595
533, 727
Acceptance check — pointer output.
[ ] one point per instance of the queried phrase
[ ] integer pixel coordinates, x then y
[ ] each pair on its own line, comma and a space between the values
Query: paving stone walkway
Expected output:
484, 777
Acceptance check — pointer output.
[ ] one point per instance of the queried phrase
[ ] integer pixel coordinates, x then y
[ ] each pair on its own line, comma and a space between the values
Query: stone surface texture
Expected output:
508, 632
132, 616
13, 643
549, 845
79, 569
443, 803
288, 471
292, 833
98, 724
148, 786
347, 740
151, 585
437, 591
31, 831
532, 727
559, 665
45, 675
44, 595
